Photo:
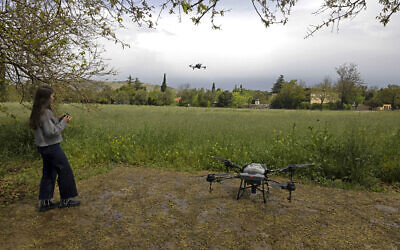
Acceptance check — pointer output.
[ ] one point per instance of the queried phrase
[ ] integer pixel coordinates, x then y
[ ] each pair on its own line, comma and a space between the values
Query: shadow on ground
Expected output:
152, 209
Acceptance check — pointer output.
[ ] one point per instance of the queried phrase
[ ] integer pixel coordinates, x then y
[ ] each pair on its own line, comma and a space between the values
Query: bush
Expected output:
315, 106
347, 107
225, 99
332, 106
305, 105
17, 140
388, 169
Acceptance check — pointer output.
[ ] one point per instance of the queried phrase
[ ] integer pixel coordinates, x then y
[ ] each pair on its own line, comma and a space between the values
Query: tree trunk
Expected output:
2, 79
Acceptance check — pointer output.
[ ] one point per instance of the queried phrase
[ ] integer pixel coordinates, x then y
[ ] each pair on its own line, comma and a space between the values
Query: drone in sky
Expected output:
197, 66
254, 176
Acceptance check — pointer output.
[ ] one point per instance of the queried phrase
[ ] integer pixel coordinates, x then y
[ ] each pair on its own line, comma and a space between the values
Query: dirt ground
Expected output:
153, 209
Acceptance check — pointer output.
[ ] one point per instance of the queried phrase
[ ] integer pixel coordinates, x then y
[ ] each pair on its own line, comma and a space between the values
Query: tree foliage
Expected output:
47, 41
262, 96
278, 84
240, 100
129, 79
187, 95
390, 95
323, 91
138, 84
349, 83
55, 41
225, 99
290, 96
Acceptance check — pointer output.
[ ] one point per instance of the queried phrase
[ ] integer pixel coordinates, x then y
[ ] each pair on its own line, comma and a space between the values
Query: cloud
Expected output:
244, 52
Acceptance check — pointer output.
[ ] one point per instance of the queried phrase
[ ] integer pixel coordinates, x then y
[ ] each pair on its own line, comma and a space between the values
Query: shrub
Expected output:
305, 105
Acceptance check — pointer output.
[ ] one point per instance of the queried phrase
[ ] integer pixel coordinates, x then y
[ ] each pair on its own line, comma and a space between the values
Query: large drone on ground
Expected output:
197, 66
255, 176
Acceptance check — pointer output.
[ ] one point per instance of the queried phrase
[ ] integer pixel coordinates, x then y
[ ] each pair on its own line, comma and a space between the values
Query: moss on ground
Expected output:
151, 208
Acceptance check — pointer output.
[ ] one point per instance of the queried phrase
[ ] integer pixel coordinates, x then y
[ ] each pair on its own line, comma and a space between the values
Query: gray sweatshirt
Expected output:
49, 130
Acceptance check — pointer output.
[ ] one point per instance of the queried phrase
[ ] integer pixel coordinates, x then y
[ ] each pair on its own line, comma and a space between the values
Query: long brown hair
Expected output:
40, 104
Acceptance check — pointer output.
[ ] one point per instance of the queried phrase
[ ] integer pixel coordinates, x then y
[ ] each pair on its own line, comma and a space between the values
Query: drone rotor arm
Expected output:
236, 167
219, 178
282, 185
224, 178
273, 181
289, 186
217, 175
304, 165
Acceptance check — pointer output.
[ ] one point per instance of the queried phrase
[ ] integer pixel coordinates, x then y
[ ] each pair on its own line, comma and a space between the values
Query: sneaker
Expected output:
45, 205
68, 203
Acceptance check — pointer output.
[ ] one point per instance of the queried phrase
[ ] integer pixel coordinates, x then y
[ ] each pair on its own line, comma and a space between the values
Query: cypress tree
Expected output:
164, 83
213, 88
278, 84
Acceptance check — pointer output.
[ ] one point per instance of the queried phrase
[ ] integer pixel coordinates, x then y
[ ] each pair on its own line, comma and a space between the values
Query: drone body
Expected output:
197, 66
254, 176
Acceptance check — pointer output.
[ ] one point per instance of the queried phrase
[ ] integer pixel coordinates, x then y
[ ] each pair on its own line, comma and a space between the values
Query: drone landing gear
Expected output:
244, 184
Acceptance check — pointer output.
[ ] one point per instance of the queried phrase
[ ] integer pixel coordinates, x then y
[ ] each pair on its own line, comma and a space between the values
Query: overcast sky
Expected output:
245, 52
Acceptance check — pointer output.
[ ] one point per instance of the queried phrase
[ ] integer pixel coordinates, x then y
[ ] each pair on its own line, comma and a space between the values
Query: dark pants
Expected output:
56, 163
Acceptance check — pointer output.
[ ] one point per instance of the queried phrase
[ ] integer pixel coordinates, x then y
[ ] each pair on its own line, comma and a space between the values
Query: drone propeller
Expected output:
292, 167
220, 159
228, 163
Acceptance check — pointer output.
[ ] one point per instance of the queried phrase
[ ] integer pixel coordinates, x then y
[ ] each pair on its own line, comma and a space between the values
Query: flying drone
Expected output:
254, 176
197, 66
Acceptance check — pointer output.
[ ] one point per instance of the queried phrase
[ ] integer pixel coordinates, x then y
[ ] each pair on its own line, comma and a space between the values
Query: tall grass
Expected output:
355, 147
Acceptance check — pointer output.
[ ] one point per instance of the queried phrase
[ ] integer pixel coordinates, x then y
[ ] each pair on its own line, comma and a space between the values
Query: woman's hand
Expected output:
67, 118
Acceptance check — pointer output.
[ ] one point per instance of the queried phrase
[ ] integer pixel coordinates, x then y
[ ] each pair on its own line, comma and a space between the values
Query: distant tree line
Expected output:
347, 92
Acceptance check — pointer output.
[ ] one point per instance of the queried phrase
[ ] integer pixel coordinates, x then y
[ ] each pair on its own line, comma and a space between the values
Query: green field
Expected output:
348, 148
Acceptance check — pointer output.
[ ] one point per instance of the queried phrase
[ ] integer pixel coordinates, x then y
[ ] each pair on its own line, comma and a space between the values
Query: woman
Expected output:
47, 132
